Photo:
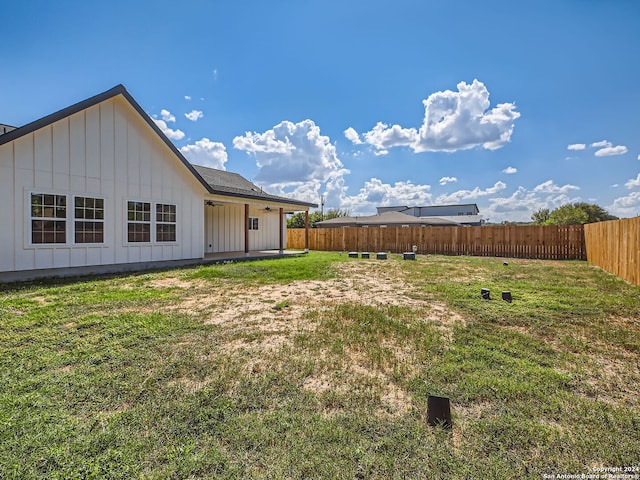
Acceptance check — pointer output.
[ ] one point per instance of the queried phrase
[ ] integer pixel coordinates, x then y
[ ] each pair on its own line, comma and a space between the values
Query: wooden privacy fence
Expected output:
515, 241
615, 247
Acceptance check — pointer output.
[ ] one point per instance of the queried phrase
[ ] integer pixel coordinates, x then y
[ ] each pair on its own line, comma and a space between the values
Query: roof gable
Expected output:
217, 181
90, 102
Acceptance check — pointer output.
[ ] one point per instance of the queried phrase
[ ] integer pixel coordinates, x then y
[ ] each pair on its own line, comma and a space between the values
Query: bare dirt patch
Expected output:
258, 322
368, 283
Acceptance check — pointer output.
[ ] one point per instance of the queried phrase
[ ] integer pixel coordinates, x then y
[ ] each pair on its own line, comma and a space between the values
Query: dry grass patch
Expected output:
172, 282
258, 327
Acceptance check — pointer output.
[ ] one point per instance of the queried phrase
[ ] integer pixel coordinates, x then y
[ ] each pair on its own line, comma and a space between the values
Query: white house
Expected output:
97, 187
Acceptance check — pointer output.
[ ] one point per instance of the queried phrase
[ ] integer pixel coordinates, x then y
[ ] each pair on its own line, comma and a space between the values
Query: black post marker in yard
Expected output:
439, 412
506, 296
485, 293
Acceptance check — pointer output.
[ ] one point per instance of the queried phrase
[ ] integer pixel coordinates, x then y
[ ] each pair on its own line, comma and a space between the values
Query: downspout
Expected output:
281, 215
306, 231
246, 229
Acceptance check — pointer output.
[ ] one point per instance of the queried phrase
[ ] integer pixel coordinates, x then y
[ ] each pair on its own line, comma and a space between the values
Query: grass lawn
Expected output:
320, 367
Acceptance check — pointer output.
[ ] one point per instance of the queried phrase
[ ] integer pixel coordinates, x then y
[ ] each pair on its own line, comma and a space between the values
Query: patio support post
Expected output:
281, 215
246, 229
306, 231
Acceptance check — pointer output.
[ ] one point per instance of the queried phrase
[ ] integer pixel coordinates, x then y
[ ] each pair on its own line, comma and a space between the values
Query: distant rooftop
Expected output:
459, 206
386, 219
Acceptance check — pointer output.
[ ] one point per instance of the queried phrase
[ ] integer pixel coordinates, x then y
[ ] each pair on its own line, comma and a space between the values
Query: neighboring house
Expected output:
463, 214
386, 219
98, 184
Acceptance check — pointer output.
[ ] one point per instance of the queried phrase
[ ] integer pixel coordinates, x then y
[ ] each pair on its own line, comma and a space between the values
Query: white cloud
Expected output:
215, 73
194, 115
517, 207
351, 135
477, 192
638, 157
520, 205
374, 193
609, 151
382, 137
627, 206
445, 180
604, 148
294, 159
267, 142
206, 153
166, 116
187, 97
550, 187
510, 170
172, 134
633, 182
577, 146
453, 121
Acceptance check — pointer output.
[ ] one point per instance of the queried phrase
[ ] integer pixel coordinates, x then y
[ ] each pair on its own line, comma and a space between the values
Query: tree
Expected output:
568, 215
595, 212
577, 213
297, 220
541, 216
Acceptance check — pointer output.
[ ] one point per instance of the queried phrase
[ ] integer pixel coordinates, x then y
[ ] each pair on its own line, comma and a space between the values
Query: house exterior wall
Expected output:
225, 228
433, 210
380, 210
469, 220
105, 151
446, 210
267, 237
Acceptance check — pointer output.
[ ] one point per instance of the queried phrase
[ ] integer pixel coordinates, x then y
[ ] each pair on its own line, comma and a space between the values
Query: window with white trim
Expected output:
253, 223
138, 221
165, 222
48, 218
89, 220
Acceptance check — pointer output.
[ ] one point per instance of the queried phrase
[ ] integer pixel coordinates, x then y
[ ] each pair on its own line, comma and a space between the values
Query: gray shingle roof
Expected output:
229, 183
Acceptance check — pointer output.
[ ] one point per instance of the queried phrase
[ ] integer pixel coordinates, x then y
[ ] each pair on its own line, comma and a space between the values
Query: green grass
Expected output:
309, 267
132, 377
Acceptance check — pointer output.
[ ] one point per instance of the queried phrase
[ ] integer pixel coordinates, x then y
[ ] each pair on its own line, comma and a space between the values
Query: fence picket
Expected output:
614, 246
521, 241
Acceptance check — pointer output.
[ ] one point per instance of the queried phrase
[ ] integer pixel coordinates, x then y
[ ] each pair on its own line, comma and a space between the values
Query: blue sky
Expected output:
511, 105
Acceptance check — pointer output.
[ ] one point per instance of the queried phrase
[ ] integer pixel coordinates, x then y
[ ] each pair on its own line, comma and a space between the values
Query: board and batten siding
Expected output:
225, 228
105, 151
267, 236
